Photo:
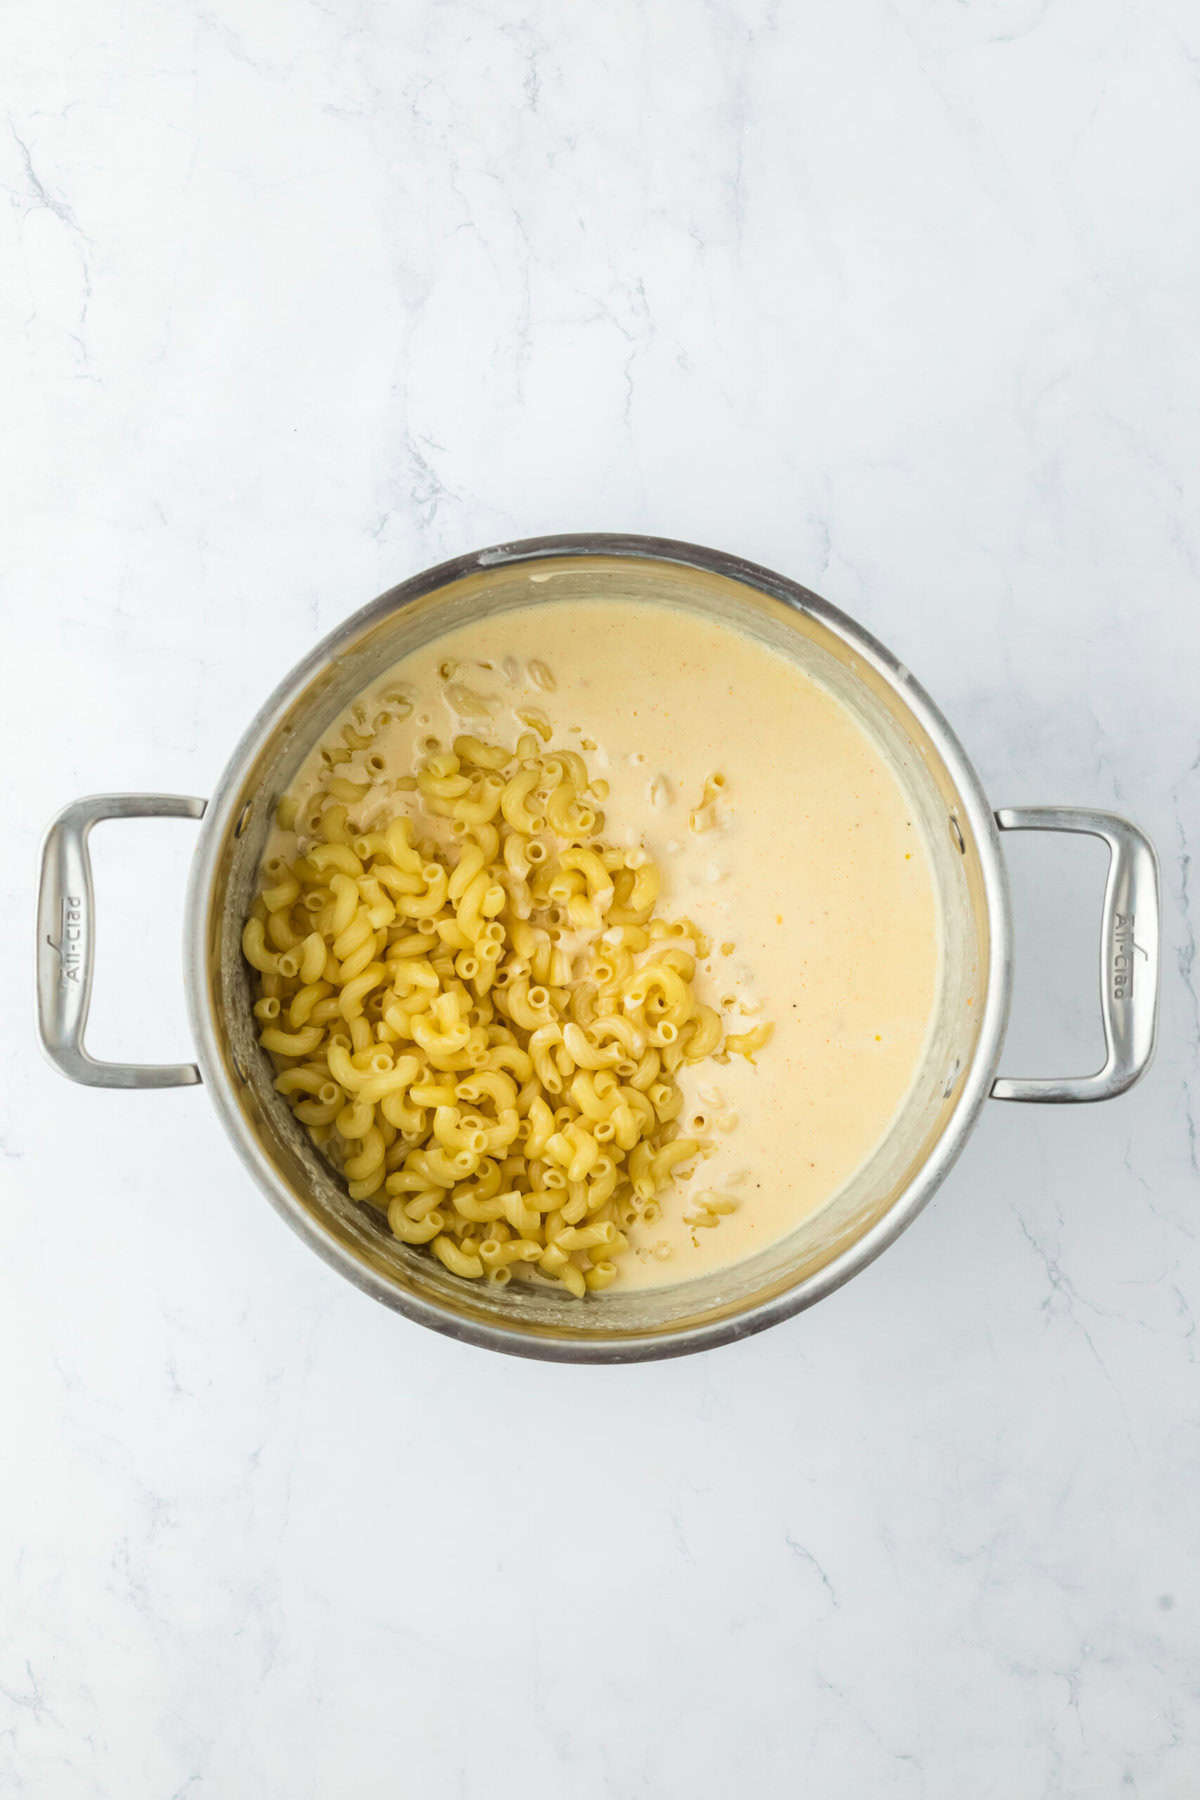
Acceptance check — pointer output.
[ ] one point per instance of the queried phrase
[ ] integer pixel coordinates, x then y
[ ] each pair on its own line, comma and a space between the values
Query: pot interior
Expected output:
873, 1204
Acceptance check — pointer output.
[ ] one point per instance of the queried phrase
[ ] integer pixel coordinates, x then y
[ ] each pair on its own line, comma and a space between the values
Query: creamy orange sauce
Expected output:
810, 876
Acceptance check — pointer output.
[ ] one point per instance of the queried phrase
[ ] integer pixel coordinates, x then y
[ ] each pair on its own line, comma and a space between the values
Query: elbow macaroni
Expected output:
507, 1100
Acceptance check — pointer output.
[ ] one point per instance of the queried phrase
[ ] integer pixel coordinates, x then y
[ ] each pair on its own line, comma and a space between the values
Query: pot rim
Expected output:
976, 1081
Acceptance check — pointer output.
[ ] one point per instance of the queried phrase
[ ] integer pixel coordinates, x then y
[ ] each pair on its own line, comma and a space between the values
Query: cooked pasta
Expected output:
475, 1008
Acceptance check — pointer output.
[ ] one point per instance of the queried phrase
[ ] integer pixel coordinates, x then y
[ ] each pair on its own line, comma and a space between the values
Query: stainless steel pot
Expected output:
959, 1068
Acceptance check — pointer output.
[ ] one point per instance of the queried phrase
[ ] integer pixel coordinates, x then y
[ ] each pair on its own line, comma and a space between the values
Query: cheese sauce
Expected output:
810, 876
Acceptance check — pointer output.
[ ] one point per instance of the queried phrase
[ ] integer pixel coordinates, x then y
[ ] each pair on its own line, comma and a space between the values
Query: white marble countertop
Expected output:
900, 298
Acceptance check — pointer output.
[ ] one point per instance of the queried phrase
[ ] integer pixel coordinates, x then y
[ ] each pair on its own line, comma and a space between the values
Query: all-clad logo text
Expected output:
70, 936
1122, 958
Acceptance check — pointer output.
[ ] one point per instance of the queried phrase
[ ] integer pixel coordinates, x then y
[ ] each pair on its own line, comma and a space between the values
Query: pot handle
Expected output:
1129, 933
67, 940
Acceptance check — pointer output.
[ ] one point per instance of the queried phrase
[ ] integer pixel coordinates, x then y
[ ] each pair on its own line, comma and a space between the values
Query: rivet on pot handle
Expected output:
67, 938
1128, 954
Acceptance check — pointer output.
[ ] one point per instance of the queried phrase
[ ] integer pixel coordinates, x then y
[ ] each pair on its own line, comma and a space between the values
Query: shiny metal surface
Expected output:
592, 1334
1129, 933
899, 1179
67, 940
